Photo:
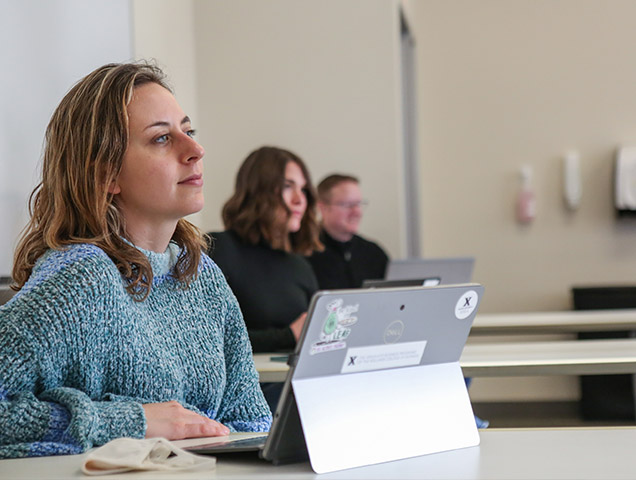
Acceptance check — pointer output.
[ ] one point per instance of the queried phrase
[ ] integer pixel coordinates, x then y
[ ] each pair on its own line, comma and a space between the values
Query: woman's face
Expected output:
294, 195
161, 179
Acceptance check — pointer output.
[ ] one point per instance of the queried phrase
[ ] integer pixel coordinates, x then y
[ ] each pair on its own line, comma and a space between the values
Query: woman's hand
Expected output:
297, 325
170, 420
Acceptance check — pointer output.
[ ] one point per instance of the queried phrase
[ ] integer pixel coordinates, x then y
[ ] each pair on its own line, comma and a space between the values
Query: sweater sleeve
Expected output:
45, 408
243, 408
56, 421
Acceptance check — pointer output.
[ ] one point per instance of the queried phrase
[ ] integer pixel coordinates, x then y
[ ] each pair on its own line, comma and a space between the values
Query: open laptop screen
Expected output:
448, 270
416, 282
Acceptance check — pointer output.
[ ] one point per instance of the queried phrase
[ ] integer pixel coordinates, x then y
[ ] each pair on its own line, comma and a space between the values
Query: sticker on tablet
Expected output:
466, 304
381, 357
336, 327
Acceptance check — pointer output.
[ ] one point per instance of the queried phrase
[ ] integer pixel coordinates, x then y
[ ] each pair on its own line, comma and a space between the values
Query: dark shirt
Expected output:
272, 287
347, 264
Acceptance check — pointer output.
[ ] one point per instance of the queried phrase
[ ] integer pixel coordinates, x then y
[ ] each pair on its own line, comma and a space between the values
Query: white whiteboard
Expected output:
47, 45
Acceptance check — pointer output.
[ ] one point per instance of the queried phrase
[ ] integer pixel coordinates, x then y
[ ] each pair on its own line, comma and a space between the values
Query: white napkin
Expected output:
126, 454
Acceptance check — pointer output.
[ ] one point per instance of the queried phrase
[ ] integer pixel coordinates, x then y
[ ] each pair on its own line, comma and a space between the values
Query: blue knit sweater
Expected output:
79, 357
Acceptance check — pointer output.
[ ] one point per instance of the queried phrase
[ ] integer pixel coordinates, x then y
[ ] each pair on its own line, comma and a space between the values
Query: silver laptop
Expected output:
374, 378
448, 270
426, 282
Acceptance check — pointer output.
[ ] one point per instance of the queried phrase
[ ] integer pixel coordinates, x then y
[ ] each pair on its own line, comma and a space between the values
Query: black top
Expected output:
347, 264
272, 287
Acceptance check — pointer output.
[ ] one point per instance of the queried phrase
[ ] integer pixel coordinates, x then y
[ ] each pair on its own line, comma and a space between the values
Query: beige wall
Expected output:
317, 77
501, 83
504, 83
163, 31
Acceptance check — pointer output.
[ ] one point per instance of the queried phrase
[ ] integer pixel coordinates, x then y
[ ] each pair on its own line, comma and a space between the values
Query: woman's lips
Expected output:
194, 180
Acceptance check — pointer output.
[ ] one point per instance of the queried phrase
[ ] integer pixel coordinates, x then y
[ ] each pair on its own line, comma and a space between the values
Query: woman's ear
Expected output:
114, 187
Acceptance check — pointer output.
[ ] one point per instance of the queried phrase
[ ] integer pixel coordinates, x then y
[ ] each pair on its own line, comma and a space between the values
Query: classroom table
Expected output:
514, 454
554, 322
571, 357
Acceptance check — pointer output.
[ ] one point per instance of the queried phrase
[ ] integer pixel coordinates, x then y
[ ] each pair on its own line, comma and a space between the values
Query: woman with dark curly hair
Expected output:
270, 223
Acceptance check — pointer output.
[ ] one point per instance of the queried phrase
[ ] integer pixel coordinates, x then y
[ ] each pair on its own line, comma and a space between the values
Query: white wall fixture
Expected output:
526, 201
625, 171
572, 183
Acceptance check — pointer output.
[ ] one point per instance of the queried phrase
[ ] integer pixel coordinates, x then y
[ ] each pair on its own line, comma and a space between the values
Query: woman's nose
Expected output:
298, 196
193, 151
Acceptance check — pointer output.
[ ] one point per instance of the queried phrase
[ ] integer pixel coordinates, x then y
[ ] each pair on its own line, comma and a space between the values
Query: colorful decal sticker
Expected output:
336, 327
379, 357
466, 304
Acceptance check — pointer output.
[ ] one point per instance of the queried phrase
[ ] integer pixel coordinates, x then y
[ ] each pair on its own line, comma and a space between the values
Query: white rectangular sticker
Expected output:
379, 357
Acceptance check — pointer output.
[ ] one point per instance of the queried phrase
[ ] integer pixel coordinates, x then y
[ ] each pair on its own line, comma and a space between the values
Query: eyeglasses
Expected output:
350, 205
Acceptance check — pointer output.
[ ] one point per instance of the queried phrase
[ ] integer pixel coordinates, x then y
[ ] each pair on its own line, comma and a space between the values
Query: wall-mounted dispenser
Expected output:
625, 180
526, 202
572, 184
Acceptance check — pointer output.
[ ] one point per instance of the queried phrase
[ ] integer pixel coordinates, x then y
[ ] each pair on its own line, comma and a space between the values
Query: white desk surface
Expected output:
514, 454
571, 357
554, 322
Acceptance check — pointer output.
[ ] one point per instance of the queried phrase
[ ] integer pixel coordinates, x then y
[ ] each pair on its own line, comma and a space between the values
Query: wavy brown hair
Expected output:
253, 211
85, 143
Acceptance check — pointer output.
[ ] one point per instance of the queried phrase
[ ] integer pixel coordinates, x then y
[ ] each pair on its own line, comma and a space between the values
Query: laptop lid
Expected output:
448, 270
377, 375
414, 282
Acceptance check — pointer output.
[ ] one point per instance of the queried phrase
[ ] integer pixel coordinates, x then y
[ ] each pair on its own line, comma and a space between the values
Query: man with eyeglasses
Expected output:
348, 259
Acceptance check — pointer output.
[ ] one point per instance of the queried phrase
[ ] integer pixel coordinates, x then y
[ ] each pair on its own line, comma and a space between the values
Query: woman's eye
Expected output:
191, 133
161, 139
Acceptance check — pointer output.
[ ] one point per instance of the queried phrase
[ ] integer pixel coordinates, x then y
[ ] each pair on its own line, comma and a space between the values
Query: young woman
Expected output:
120, 326
271, 223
